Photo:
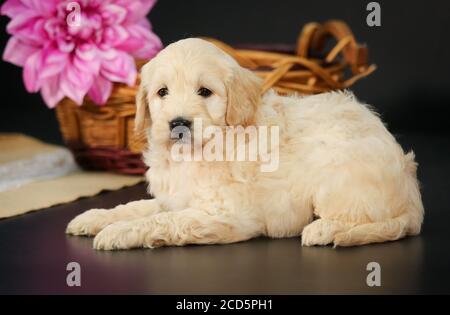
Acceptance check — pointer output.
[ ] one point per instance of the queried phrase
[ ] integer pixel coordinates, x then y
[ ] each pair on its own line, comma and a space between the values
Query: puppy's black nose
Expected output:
179, 122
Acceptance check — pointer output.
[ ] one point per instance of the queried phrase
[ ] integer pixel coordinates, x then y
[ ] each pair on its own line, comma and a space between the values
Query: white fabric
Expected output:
46, 165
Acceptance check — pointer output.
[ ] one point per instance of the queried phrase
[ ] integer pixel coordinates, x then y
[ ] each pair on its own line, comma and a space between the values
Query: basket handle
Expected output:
314, 36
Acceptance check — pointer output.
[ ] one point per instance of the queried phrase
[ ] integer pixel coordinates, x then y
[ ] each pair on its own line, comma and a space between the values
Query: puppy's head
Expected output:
190, 79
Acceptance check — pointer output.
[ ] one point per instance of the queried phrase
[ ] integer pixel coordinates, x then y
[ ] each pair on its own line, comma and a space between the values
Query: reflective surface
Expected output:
34, 252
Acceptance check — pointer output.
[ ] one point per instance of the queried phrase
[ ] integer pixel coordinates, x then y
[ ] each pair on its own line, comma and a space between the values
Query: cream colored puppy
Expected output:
342, 178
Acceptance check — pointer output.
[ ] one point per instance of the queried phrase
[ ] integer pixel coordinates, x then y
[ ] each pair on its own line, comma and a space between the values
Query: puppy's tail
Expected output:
409, 223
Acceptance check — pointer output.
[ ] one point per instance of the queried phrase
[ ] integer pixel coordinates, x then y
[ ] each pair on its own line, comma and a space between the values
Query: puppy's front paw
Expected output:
119, 235
90, 222
317, 233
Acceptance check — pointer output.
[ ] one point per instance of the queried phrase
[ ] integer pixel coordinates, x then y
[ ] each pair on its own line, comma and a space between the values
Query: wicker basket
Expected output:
102, 137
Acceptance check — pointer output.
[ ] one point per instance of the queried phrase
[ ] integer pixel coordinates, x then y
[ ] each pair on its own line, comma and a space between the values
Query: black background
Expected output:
411, 49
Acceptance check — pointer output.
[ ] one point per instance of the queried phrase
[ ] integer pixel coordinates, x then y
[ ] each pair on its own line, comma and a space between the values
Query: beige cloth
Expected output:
14, 147
44, 193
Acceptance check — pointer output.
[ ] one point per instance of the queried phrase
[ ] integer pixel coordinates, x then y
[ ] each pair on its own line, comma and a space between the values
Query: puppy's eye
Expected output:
204, 92
163, 91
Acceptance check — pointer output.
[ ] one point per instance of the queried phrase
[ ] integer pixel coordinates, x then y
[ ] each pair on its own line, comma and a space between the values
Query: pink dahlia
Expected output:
78, 47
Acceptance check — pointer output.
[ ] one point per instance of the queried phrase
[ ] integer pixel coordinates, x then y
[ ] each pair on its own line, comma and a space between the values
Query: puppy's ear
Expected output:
244, 96
142, 119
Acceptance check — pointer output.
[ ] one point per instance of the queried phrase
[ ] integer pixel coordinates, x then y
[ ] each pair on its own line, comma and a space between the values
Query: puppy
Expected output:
341, 179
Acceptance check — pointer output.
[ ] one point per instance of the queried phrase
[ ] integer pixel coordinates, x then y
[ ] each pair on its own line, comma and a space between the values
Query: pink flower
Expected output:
78, 47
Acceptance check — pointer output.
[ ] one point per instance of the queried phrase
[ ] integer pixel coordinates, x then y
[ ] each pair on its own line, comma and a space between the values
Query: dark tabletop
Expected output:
34, 252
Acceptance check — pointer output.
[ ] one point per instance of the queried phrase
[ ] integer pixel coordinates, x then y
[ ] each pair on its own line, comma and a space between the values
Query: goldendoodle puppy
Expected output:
326, 168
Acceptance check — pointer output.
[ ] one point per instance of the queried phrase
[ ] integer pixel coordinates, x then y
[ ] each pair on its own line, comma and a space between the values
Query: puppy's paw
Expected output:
90, 222
343, 240
319, 232
119, 235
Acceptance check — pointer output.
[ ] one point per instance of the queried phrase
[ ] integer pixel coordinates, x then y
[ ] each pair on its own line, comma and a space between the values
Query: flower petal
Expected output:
21, 20
92, 66
12, 8
142, 42
17, 52
31, 71
28, 27
54, 61
136, 10
64, 45
51, 91
120, 69
44, 8
87, 59
100, 90
74, 83
152, 45
113, 14
86, 52
107, 53
115, 35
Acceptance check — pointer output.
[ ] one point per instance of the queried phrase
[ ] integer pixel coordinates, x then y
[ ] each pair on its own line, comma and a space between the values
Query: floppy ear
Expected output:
244, 95
142, 119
